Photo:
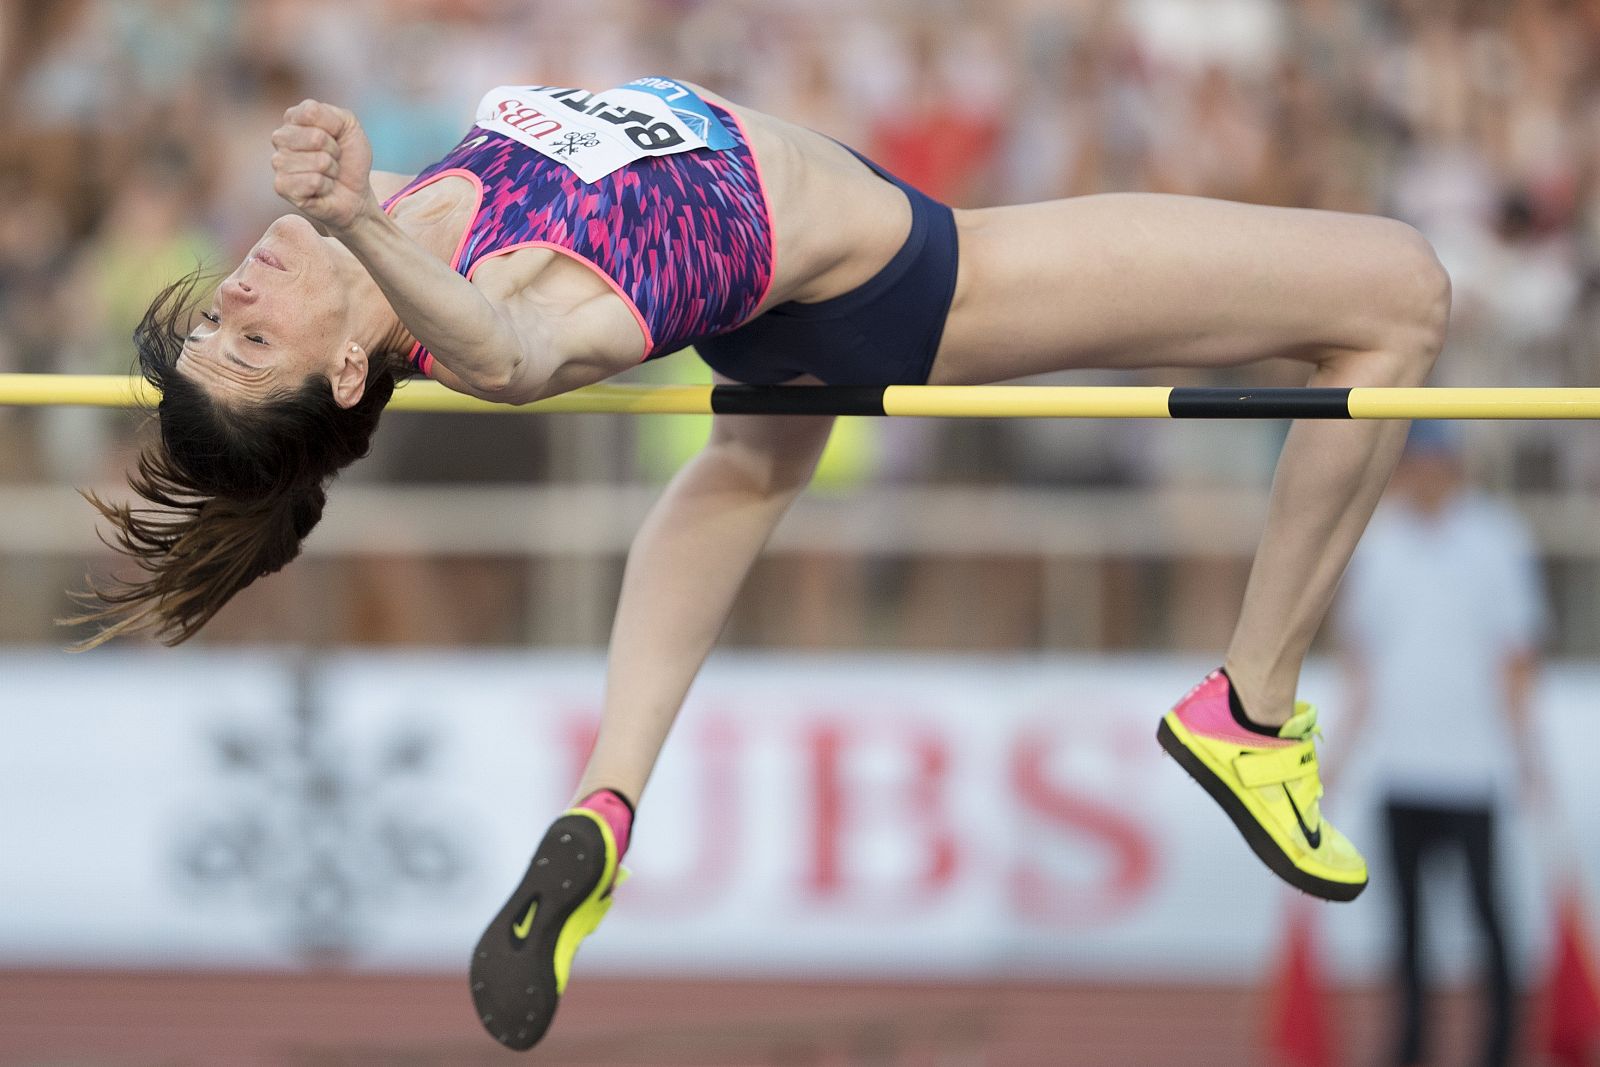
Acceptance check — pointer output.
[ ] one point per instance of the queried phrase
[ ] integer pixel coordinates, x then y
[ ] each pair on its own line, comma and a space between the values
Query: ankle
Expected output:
1256, 706
617, 811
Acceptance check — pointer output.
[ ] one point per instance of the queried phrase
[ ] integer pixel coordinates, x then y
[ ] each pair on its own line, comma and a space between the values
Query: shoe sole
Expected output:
514, 980
1255, 835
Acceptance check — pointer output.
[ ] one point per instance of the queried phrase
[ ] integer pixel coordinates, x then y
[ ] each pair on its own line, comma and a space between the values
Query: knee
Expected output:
1416, 305
1426, 287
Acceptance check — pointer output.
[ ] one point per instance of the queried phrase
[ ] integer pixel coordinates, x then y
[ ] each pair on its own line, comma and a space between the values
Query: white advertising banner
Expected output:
813, 815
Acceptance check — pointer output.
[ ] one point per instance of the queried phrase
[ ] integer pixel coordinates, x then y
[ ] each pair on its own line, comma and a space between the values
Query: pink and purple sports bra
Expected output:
685, 239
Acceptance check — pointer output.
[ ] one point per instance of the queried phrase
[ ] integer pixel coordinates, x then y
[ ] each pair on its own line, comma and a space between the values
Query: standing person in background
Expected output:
1442, 612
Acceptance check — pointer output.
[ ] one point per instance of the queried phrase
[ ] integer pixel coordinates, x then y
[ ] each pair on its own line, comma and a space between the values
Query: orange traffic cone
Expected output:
1299, 1034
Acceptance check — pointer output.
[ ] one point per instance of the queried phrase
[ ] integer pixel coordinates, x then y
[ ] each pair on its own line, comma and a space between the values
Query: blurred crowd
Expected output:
134, 142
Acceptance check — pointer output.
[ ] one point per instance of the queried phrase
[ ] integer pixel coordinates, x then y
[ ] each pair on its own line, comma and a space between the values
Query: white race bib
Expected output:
594, 134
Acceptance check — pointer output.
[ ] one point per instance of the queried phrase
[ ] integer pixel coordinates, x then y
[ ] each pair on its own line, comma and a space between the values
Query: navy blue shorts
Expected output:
885, 331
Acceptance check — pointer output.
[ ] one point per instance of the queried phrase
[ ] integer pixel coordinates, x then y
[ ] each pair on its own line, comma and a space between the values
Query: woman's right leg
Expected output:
1143, 280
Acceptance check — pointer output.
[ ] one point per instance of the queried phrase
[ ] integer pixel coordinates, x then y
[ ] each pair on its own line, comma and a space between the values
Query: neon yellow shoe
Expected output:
521, 965
1268, 786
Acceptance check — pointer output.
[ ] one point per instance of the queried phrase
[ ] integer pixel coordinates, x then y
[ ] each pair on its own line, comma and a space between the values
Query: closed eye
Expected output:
194, 335
216, 320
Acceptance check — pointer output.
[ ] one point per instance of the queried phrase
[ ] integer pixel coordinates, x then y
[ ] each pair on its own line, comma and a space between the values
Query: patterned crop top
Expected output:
674, 217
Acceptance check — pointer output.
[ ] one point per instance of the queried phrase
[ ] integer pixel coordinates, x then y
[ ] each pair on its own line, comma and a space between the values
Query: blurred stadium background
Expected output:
886, 832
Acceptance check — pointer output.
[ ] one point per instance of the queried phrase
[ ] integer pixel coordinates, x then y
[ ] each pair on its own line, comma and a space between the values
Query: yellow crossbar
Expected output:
977, 401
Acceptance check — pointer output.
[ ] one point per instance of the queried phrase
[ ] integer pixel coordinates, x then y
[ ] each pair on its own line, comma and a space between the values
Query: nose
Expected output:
238, 290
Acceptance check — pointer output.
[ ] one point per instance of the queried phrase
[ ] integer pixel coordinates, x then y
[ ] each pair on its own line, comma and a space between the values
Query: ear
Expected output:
350, 376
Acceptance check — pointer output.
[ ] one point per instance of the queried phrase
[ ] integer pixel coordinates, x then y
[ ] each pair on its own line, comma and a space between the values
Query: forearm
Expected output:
322, 165
1520, 673
464, 331
1357, 708
684, 571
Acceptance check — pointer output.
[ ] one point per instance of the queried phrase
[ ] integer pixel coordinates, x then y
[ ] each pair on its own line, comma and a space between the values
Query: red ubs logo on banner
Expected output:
842, 809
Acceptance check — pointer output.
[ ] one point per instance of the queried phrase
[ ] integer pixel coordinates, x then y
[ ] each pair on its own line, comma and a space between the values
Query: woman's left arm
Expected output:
323, 163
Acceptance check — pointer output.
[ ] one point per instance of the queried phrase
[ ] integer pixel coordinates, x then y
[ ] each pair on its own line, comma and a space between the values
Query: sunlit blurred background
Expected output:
914, 812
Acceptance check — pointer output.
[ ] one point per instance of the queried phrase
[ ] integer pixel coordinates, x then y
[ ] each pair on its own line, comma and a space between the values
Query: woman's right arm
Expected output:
323, 166
684, 571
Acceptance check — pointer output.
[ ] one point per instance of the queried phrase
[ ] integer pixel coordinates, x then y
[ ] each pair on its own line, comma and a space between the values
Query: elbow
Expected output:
526, 374
500, 364
495, 391
503, 384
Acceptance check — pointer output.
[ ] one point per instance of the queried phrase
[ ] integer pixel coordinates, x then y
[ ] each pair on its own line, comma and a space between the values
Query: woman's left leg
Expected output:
1145, 280
683, 572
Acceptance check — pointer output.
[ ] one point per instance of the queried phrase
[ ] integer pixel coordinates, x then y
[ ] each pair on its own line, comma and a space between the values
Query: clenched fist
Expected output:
323, 164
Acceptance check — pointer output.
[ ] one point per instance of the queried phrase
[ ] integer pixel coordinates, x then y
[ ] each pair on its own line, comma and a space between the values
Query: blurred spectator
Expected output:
148, 232
1442, 612
133, 135
1478, 122
942, 134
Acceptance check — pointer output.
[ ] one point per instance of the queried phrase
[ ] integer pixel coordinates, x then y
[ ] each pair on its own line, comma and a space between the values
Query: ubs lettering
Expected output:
530, 121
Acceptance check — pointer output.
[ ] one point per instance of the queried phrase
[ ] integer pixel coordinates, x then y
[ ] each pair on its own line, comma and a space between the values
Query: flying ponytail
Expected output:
233, 492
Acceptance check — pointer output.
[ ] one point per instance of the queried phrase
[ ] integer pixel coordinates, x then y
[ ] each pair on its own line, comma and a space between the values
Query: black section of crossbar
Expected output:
1182, 403
1187, 403
797, 400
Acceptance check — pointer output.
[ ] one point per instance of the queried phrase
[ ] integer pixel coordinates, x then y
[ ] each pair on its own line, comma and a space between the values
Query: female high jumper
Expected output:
571, 235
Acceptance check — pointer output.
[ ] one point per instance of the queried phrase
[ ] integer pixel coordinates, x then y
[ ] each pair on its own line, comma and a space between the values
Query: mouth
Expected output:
265, 257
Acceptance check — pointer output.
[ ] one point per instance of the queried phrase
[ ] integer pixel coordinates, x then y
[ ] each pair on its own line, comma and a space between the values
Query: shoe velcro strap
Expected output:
1256, 769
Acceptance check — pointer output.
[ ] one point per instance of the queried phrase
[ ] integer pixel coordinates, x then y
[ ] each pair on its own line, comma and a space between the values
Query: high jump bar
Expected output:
942, 401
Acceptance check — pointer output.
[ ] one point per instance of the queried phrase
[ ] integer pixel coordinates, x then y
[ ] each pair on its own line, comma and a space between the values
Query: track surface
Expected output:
95, 1019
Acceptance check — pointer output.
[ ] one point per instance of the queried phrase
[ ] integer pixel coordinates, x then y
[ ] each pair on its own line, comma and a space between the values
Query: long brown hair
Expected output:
234, 490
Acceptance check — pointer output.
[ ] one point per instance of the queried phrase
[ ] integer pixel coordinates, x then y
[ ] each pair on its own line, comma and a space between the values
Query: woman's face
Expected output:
281, 316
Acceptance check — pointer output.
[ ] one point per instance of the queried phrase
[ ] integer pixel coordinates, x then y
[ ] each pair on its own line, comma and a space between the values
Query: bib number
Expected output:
594, 134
